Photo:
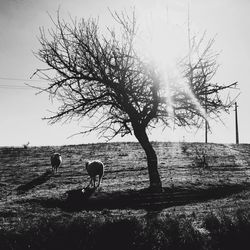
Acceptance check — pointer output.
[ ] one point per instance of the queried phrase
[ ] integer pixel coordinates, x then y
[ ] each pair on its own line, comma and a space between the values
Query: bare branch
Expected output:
93, 75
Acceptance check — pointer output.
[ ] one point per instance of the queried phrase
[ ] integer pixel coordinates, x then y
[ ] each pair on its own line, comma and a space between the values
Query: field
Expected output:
205, 203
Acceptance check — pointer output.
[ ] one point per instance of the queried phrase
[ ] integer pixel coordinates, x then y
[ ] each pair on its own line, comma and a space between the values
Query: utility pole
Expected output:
206, 131
236, 123
206, 125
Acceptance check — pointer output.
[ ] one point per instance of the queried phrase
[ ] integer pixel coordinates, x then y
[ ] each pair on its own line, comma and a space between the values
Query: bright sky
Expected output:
21, 109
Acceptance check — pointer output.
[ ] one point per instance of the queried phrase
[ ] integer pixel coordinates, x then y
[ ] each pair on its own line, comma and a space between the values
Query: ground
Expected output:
30, 191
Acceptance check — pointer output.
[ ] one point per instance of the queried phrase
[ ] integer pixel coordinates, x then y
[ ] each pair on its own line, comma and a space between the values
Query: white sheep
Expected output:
95, 168
56, 161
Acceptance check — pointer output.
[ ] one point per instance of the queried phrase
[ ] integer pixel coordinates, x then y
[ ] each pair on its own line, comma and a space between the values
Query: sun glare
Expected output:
160, 40
163, 40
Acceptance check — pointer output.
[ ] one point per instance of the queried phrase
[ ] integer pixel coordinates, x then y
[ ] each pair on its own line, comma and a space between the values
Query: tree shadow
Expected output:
153, 203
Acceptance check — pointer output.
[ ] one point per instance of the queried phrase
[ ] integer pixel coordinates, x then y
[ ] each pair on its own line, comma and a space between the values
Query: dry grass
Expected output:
30, 193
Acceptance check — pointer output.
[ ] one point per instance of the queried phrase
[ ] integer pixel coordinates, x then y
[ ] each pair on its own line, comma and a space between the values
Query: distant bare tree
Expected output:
95, 75
26, 145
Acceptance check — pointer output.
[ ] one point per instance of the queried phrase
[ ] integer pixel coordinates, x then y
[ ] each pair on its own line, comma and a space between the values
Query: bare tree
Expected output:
103, 77
198, 69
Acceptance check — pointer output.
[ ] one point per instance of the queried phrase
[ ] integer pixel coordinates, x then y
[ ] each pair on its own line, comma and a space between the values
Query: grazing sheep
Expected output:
56, 161
95, 168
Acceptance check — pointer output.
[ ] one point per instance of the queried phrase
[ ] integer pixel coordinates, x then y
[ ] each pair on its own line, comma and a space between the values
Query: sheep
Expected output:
56, 161
95, 168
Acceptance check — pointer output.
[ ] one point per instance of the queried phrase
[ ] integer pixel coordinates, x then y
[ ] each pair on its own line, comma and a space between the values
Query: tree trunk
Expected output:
154, 177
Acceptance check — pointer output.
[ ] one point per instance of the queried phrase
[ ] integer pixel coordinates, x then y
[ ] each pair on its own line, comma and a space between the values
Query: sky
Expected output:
22, 110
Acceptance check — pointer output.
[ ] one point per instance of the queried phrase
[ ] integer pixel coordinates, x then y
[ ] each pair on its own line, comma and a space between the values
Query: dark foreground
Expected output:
152, 232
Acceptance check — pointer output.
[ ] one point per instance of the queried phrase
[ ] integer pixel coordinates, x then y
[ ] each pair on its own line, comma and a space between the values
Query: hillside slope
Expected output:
29, 190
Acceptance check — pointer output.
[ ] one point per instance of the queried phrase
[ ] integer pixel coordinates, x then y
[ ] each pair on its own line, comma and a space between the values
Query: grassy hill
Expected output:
199, 181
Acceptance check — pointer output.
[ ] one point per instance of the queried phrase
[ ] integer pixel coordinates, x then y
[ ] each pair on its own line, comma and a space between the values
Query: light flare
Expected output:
163, 43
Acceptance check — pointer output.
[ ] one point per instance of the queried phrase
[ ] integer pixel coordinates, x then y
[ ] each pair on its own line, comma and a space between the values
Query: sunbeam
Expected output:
163, 43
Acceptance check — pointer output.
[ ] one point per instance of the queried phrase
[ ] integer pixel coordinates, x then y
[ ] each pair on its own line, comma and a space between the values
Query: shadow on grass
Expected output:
92, 199
35, 182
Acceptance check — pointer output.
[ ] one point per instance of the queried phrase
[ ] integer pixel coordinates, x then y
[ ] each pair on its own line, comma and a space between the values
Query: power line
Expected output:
20, 83
15, 88
18, 86
11, 86
21, 79
3, 89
